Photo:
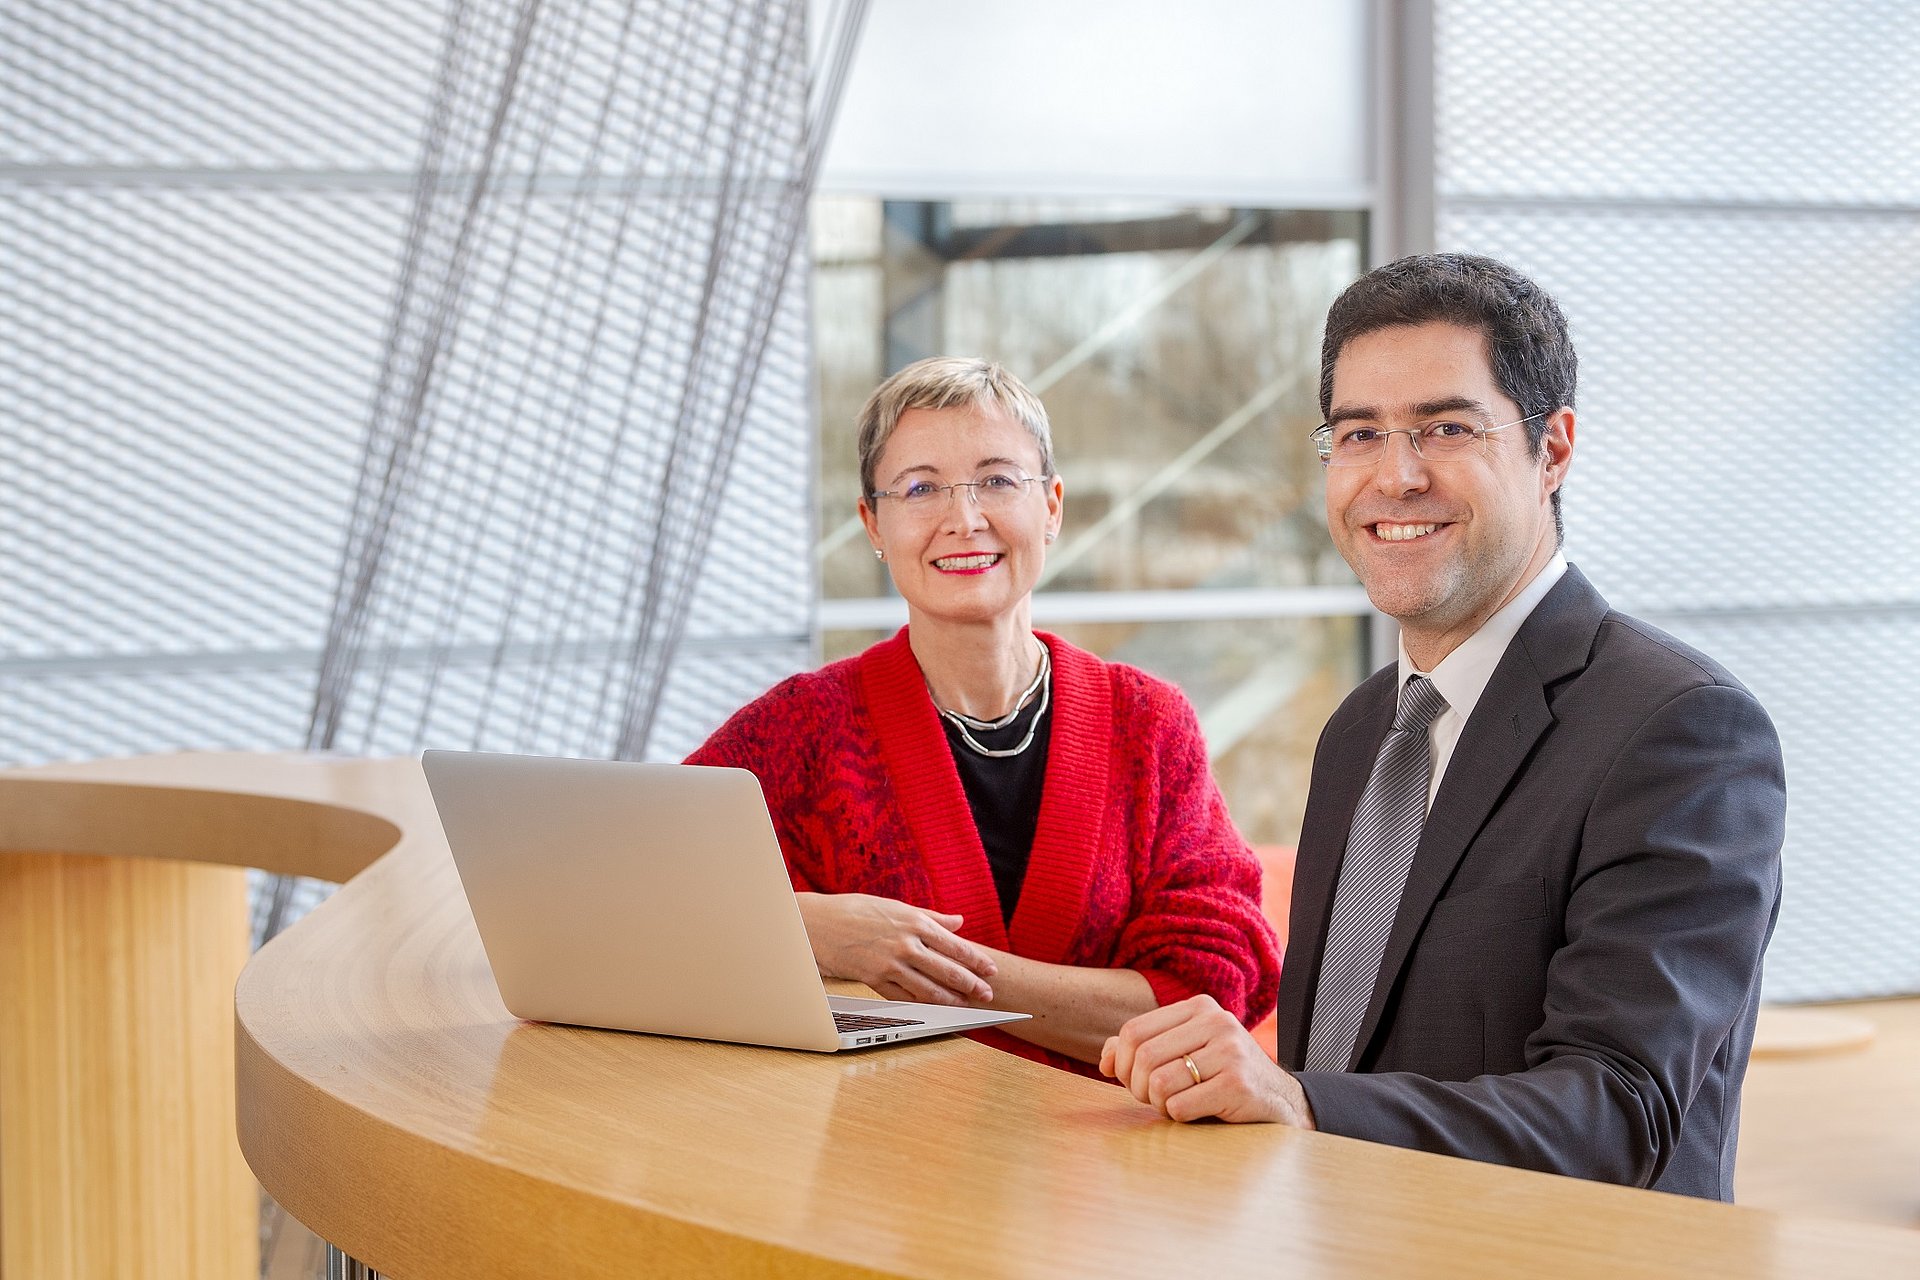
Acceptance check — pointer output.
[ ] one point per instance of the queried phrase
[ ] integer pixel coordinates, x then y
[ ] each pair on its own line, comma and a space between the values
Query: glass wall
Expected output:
1177, 351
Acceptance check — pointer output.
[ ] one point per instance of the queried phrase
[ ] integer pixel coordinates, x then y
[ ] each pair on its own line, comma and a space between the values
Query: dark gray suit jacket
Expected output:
1571, 981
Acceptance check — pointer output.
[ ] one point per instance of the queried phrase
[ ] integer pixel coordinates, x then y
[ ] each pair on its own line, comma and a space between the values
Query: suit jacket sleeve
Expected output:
1675, 888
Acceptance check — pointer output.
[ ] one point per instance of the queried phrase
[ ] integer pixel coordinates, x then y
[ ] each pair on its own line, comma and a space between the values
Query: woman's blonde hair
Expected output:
946, 382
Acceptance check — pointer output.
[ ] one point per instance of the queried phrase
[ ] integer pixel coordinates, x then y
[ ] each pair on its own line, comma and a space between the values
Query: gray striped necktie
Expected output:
1373, 875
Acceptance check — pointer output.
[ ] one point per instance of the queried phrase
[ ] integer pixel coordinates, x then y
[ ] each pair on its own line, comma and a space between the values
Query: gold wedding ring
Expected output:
1191, 1069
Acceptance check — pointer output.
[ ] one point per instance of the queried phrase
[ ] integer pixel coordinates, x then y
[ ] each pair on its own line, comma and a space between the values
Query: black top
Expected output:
1004, 795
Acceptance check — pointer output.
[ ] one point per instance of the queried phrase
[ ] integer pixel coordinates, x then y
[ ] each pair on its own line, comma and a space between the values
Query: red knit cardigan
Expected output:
1135, 863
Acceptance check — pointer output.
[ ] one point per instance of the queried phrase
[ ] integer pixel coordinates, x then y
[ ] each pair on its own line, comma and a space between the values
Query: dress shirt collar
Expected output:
1462, 675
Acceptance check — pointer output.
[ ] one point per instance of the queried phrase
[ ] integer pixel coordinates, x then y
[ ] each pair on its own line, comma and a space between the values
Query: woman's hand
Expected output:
902, 952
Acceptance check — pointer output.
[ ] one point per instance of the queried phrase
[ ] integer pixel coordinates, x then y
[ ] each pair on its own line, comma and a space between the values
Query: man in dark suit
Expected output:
1541, 853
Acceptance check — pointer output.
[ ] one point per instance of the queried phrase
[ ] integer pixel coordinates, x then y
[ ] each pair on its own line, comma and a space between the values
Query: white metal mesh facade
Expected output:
202, 208
1725, 197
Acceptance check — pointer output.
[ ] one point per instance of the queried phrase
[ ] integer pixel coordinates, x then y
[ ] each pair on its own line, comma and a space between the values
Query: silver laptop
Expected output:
649, 897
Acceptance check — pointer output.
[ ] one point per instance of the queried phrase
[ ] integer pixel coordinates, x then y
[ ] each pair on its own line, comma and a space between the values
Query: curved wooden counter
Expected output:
121, 937
389, 1102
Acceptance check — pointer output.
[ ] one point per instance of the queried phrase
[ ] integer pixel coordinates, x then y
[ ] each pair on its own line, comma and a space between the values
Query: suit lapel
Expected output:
1510, 718
1341, 766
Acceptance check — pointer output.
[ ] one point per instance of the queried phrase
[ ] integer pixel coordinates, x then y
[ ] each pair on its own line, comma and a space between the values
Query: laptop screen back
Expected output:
646, 897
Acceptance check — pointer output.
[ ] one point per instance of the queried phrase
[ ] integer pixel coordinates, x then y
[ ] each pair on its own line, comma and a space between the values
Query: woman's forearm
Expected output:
1074, 1009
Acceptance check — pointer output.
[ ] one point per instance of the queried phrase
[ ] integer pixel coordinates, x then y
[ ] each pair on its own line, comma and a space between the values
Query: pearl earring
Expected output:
1050, 535
879, 554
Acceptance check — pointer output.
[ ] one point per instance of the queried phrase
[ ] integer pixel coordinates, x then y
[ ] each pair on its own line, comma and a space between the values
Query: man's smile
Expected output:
1387, 531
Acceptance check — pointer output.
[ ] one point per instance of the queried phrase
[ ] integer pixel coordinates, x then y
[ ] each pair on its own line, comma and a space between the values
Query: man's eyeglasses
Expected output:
994, 492
1354, 444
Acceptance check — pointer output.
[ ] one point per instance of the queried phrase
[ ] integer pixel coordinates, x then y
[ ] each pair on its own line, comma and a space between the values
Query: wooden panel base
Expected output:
117, 1148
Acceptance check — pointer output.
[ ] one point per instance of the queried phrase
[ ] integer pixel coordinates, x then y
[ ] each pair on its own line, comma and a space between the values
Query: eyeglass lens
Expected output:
988, 491
1356, 446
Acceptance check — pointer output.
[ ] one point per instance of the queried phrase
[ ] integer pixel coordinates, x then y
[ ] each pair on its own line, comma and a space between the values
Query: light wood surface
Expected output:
1788, 1031
119, 950
117, 1150
1838, 1133
388, 1100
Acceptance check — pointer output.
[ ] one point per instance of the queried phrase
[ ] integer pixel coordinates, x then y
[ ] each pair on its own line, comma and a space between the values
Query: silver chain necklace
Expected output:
1042, 684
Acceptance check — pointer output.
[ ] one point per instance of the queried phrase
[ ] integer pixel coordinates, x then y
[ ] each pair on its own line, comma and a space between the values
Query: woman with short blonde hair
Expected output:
976, 813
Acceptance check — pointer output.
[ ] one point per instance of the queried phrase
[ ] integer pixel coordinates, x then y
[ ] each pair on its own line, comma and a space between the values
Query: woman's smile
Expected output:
968, 563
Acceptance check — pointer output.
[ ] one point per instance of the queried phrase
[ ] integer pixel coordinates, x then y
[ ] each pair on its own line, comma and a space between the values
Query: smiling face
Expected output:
1440, 545
955, 560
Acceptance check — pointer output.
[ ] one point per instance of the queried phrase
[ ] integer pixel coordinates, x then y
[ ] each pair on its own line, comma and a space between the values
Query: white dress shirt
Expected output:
1461, 676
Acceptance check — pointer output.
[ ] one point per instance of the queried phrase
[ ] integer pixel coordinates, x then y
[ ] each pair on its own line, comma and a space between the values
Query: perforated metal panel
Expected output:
202, 214
1762, 100
328, 91
192, 370
1726, 199
1721, 356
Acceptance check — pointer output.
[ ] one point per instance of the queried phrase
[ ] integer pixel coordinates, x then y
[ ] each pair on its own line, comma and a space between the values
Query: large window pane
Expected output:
1177, 350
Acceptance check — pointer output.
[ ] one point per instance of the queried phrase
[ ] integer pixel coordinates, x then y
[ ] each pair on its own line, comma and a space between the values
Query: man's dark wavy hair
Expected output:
1527, 344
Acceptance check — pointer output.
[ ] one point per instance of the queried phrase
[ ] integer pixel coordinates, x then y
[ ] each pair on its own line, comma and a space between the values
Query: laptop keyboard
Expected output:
868, 1022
